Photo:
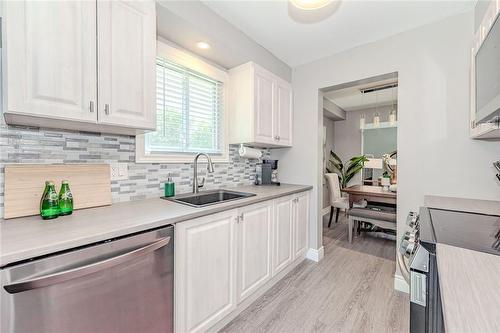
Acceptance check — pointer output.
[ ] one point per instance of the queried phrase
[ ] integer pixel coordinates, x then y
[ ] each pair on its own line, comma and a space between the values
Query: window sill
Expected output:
177, 159
141, 156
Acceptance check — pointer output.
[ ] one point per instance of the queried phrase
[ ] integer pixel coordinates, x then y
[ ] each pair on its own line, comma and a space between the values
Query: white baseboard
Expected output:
325, 211
315, 255
400, 284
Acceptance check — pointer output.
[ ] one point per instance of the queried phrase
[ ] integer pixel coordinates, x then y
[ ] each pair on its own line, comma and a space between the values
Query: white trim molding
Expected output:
315, 255
400, 284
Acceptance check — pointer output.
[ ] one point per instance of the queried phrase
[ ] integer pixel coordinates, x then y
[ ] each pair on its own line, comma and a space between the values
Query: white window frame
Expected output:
194, 63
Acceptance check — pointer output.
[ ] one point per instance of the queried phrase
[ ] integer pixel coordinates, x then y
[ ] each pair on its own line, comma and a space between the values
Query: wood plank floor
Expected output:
350, 290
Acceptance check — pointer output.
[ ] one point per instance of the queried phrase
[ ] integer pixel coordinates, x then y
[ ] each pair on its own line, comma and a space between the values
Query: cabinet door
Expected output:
51, 59
127, 53
283, 233
283, 114
301, 219
205, 252
264, 107
254, 247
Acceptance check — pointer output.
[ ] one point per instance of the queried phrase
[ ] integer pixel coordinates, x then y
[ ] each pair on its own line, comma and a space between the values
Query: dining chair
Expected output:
336, 198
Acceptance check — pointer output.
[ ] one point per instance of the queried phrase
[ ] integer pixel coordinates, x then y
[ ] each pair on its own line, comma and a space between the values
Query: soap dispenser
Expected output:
169, 187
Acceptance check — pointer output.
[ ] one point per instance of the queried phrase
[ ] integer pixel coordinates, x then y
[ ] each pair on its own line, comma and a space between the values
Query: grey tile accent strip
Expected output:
21, 144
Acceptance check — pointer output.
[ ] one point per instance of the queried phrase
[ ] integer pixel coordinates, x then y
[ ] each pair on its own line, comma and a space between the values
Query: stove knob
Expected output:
410, 249
413, 235
403, 245
412, 220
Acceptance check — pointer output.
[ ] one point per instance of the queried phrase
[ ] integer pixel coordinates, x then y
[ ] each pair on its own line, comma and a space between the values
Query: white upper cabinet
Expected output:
264, 105
51, 59
127, 53
58, 75
260, 107
283, 114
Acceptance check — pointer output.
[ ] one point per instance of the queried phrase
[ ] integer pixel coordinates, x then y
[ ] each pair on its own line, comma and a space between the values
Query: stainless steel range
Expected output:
417, 258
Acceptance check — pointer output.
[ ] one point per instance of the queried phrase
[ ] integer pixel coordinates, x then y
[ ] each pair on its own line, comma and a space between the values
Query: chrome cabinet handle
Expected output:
106, 109
241, 217
55, 278
91, 106
276, 137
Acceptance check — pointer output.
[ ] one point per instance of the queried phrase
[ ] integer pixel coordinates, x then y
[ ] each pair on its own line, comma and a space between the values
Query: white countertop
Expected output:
29, 237
470, 289
489, 207
469, 280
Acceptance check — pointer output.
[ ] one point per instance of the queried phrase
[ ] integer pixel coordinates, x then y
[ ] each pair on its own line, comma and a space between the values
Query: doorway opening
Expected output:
359, 159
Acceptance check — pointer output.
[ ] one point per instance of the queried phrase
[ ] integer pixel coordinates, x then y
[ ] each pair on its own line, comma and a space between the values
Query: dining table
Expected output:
370, 193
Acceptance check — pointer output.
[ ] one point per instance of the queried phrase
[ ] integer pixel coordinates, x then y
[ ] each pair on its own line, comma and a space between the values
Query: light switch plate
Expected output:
119, 171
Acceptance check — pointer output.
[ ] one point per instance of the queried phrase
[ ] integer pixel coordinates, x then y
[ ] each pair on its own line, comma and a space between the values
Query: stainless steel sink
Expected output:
208, 198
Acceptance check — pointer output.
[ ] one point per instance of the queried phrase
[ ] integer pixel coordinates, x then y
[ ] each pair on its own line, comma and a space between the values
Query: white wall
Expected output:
435, 154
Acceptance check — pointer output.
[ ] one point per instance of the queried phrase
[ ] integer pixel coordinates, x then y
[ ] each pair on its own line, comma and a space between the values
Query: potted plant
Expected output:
346, 171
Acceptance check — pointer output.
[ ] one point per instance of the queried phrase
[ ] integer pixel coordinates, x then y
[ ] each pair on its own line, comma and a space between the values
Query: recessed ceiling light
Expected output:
203, 45
310, 4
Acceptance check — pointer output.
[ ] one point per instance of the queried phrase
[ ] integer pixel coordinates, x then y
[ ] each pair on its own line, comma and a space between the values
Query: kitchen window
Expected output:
190, 115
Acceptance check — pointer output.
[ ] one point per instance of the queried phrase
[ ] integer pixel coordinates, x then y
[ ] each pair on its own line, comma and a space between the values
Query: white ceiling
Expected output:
187, 22
354, 23
351, 98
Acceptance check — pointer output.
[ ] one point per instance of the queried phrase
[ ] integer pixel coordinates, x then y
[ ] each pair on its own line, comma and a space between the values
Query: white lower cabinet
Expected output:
223, 259
301, 224
283, 233
205, 271
254, 247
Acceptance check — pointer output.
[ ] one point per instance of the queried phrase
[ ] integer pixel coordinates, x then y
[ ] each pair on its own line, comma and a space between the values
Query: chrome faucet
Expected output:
210, 168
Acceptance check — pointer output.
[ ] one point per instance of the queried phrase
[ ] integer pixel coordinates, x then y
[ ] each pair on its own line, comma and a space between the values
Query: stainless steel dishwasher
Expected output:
119, 285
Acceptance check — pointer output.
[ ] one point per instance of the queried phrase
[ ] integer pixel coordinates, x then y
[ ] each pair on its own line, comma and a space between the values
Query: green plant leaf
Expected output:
353, 172
336, 161
356, 164
346, 171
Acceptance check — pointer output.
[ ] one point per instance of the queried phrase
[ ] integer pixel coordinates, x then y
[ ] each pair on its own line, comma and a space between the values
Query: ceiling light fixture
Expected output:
312, 11
310, 4
203, 45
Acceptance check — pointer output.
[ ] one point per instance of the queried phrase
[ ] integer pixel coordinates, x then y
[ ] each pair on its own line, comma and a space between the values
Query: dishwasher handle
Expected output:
55, 278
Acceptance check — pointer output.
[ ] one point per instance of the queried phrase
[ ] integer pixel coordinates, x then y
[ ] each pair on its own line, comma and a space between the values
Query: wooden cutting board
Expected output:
24, 185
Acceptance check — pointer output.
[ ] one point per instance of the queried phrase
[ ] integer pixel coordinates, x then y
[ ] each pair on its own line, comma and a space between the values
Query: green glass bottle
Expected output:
65, 199
49, 205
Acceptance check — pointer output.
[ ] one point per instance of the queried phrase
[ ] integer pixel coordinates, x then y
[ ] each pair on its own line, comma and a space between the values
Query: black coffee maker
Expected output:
267, 173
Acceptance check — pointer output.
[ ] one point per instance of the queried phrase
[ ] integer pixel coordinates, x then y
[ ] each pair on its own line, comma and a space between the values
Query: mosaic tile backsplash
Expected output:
19, 144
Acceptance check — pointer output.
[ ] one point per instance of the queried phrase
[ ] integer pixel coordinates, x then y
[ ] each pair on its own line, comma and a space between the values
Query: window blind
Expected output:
189, 109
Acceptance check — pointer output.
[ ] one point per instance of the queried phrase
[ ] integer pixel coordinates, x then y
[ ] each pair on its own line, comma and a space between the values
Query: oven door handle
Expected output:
55, 278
